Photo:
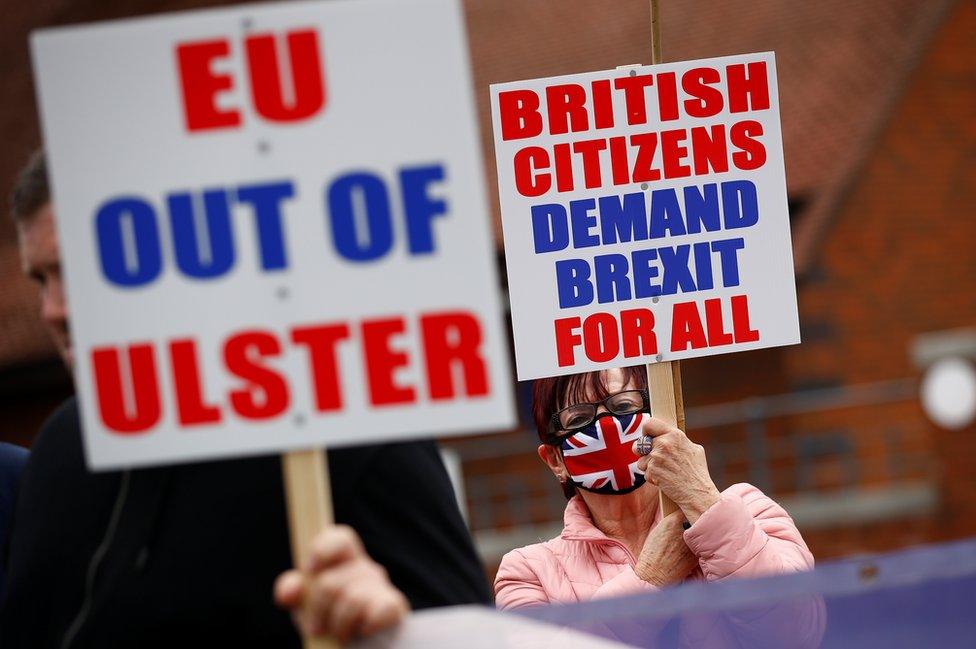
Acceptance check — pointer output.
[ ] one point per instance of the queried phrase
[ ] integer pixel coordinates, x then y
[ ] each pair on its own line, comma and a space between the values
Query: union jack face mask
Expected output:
600, 459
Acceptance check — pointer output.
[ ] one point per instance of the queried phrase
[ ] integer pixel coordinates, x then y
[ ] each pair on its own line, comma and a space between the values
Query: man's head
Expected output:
32, 212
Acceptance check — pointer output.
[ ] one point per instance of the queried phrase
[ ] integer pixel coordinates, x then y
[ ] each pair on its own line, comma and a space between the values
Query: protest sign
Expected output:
273, 227
645, 214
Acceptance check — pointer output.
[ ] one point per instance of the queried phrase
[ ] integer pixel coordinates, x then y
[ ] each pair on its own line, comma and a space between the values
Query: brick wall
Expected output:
897, 261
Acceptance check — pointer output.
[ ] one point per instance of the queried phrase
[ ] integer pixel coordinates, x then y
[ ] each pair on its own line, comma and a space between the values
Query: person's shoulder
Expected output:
12, 457
773, 519
745, 491
537, 566
520, 564
58, 442
12, 461
535, 554
63, 421
758, 503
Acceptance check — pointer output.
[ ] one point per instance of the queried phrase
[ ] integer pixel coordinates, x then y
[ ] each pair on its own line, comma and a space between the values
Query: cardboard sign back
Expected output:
273, 231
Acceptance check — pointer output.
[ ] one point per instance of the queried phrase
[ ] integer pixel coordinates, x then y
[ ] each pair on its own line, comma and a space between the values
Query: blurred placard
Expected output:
479, 627
273, 228
645, 214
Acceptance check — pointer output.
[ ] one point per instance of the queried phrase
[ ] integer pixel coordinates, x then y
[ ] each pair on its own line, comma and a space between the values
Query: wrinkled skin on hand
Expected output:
341, 592
665, 559
679, 469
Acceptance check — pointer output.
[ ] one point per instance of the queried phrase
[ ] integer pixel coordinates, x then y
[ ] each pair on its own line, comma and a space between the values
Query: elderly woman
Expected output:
615, 540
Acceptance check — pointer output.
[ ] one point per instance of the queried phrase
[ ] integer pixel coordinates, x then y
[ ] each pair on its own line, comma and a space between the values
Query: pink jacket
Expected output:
744, 534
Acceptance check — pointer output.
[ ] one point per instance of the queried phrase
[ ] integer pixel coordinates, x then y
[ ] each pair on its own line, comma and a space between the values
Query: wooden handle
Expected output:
655, 33
679, 400
309, 499
664, 387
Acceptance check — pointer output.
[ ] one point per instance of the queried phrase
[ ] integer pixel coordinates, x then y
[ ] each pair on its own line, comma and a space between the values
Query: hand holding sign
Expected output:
678, 467
342, 593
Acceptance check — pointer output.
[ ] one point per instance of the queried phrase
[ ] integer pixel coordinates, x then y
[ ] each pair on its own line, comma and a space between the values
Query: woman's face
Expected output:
615, 381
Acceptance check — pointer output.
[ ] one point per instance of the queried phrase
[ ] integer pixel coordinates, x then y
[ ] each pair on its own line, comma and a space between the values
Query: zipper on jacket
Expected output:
96, 561
606, 540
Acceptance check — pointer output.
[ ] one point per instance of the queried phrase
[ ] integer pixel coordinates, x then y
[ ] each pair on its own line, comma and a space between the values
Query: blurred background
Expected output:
865, 432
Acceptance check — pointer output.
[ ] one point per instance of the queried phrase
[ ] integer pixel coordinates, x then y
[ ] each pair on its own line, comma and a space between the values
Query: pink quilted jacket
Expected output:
744, 534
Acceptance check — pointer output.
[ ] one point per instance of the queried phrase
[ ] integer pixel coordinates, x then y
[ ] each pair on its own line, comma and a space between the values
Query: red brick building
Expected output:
877, 103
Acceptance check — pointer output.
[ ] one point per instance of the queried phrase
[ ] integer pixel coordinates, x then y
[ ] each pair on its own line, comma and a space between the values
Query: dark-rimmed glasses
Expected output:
574, 418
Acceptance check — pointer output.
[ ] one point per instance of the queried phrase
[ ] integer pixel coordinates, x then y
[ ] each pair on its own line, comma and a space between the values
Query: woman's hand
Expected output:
665, 559
679, 469
342, 591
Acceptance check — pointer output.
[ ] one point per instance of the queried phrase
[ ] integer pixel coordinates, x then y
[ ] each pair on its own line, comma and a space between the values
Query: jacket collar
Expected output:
578, 524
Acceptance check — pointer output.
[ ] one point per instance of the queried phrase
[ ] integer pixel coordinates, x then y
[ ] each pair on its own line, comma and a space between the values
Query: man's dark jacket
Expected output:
186, 556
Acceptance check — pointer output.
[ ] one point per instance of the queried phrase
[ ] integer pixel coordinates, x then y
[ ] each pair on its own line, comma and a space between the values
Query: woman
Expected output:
615, 541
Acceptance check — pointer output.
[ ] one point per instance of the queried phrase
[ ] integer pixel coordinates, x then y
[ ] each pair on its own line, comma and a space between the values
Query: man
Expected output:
187, 555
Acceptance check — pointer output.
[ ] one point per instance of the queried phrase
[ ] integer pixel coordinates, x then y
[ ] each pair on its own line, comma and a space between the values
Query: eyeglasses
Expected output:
573, 418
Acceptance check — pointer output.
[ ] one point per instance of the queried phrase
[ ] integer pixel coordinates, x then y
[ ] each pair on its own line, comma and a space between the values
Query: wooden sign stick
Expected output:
664, 379
308, 495
664, 387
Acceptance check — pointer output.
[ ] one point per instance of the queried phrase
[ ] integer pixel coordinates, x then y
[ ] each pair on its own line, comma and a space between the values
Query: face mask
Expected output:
599, 458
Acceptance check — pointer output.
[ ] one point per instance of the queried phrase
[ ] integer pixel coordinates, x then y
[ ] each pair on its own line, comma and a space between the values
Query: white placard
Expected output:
645, 214
273, 227
479, 627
